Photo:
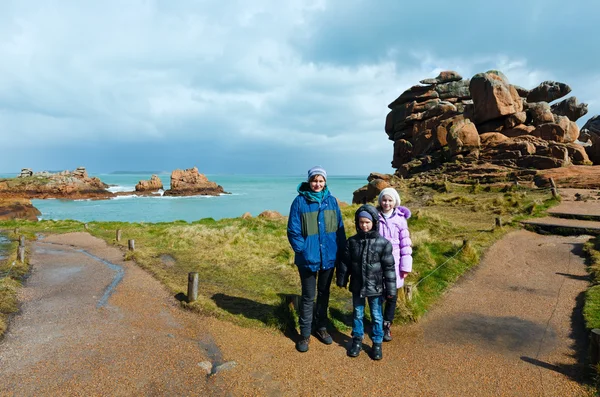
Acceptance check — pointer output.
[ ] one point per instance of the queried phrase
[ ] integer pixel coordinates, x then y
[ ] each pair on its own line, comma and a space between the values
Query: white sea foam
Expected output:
120, 188
129, 196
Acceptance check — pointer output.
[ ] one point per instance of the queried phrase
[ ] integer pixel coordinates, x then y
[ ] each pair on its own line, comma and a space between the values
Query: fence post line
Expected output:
21, 241
498, 222
21, 254
192, 294
409, 289
118, 234
131, 245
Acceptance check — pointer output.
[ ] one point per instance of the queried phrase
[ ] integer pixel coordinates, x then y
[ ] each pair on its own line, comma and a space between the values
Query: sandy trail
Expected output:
511, 327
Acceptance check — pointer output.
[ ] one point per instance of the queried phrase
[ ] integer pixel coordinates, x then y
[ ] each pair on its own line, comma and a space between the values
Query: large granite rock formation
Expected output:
447, 119
190, 182
590, 133
485, 129
153, 184
66, 184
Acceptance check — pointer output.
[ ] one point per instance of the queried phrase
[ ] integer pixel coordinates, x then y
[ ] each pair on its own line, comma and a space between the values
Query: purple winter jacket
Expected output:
395, 229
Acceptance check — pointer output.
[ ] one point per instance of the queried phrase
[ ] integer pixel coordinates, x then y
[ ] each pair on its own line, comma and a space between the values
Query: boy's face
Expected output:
387, 203
365, 224
317, 183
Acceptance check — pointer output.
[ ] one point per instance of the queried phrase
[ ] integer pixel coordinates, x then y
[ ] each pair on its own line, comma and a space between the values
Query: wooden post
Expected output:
16, 230
131, 245
552, 183
192, 294
292, 301
595, 346
118, 234
21, 241
21, 254
498, 222
555, 193
409, 288
85, 226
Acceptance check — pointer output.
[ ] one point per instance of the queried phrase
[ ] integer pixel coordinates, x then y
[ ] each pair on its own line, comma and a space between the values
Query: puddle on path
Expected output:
4, 246
116, 280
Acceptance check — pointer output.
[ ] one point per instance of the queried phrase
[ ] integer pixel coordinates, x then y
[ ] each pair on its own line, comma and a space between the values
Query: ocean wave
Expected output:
119, 188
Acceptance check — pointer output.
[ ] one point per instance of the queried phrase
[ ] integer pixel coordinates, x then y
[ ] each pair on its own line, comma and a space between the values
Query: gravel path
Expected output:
512, 327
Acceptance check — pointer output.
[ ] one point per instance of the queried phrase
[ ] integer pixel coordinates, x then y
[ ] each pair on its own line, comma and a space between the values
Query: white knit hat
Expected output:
390, 192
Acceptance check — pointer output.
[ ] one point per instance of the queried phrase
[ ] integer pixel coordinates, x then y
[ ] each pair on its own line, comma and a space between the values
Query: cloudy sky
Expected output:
261, 86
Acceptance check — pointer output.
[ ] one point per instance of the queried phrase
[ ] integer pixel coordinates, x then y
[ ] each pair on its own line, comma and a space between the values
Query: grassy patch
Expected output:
12, 273
246, 268
591, 310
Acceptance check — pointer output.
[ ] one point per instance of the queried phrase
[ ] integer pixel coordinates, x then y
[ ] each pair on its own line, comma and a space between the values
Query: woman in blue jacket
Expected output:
316, 233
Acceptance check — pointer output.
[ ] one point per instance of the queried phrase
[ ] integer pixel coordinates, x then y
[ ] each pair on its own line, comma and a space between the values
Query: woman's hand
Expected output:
403, 274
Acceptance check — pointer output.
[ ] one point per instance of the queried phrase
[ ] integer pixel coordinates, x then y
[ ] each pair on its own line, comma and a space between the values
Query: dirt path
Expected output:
512, 327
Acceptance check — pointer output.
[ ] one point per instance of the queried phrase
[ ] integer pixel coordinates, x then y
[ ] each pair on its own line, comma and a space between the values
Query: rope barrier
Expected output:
446, 261
548, 189
7, 273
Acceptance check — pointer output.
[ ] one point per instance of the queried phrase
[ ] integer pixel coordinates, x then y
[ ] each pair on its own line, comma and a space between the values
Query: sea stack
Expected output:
192, 183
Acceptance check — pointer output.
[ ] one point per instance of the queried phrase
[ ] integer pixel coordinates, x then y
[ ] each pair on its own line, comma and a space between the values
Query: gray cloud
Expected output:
251, 86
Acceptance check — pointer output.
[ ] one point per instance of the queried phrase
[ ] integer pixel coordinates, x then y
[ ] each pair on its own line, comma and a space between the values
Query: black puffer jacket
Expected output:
368, 261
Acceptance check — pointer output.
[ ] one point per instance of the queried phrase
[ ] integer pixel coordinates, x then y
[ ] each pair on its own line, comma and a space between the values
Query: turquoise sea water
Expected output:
253, 194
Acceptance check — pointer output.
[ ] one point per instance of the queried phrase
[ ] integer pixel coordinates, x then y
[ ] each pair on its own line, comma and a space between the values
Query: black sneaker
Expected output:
302, 344
355, 348
324, 336
377, 352
387, 332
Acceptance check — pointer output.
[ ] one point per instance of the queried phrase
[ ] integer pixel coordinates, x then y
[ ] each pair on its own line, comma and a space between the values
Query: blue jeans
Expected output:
376, 307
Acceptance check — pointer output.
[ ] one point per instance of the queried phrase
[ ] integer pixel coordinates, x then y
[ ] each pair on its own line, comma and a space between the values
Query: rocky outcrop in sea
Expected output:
190, 182
154, 184
63, 185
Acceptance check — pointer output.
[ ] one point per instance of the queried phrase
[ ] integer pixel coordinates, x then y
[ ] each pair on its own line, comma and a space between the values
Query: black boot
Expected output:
387, 332
302, 344
377, 353
355, 348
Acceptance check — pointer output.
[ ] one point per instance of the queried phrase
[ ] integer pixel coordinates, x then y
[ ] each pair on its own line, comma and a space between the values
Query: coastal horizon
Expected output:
248, 193
167, 172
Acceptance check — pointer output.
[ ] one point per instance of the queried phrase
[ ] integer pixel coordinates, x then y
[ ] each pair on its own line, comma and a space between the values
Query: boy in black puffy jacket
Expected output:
369, 263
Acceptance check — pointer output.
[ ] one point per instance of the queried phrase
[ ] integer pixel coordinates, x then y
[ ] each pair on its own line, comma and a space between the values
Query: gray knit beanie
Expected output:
317, 170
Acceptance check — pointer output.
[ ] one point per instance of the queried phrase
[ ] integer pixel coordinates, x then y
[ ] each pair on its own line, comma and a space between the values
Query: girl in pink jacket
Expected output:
393, 226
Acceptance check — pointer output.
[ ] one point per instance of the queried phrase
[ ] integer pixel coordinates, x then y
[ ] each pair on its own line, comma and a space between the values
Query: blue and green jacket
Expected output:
315, 229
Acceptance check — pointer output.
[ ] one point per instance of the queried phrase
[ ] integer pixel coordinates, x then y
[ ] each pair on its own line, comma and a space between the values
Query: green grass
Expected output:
591, 310
246, 268
12, 273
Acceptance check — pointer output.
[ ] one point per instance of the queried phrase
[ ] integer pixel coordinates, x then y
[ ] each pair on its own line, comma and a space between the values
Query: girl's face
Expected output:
317, 183
387, 203
365, 224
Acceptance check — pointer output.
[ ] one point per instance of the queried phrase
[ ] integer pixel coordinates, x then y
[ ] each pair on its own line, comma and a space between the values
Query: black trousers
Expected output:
389, 308
312, 282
